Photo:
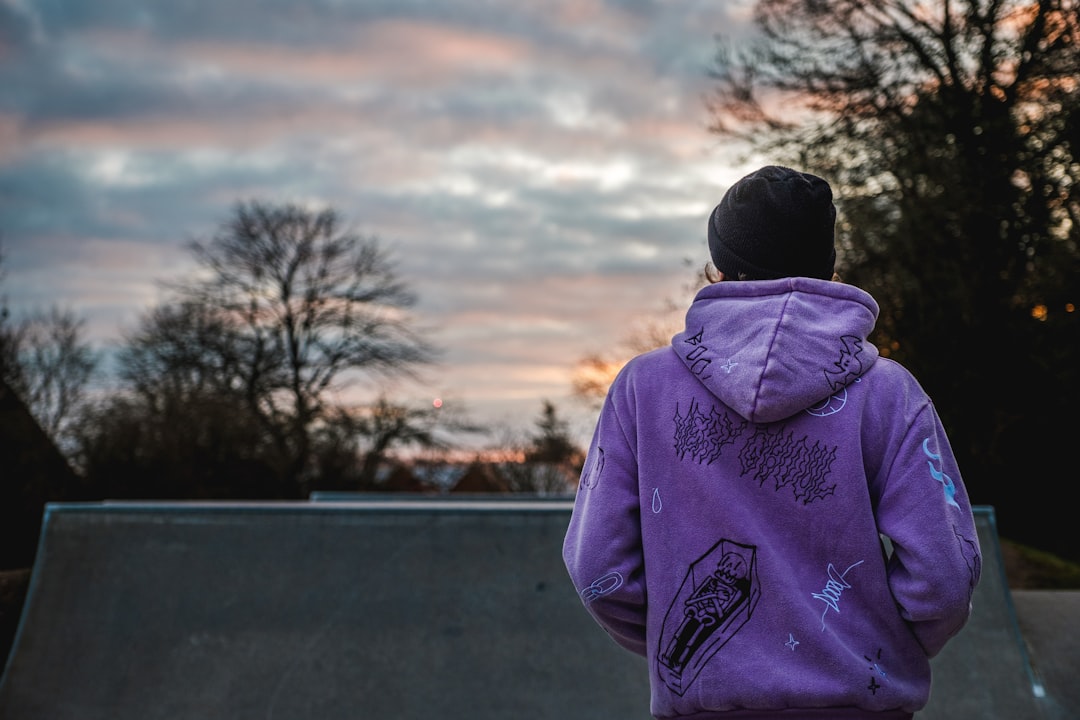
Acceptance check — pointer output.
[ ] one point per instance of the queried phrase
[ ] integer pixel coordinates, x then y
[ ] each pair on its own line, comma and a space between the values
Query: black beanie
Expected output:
774, 223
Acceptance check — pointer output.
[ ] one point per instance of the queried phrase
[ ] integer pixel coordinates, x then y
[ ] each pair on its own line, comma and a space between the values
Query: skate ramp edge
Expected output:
311, 610
341, 608
986, 670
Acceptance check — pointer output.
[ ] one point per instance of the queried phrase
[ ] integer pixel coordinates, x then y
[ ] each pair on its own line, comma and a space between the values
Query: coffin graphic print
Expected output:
716, 598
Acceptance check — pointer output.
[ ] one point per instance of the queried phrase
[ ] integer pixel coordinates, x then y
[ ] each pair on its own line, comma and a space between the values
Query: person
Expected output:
770, 512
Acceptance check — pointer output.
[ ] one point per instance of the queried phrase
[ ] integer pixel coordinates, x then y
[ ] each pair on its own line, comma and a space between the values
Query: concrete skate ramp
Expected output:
388, 608
985, 671
315, 611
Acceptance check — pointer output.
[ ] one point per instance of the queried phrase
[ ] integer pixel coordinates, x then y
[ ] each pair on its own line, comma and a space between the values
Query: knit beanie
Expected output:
775, 222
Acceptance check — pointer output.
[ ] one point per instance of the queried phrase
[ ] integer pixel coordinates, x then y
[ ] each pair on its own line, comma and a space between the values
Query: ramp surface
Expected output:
985, 671
393, 609
315, 611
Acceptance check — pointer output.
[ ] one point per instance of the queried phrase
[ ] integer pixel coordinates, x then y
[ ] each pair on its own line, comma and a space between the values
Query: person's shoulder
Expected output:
649, 364
891, 382
656, 357
890, 370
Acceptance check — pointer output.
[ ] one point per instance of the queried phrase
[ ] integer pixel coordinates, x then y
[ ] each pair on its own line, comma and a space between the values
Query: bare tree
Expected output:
54, 365
189, 349
362, 440
288, 310
45, 359
550, 462
180, 424
318, 302
594, 373
950, 133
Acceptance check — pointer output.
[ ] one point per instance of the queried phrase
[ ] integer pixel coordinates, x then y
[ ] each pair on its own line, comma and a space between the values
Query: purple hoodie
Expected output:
729, 519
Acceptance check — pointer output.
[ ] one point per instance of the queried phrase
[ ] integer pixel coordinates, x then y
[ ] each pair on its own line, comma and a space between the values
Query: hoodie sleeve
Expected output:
923, 508
602, 549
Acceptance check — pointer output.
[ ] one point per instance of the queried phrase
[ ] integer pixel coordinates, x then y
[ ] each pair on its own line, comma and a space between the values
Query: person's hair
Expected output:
714, 276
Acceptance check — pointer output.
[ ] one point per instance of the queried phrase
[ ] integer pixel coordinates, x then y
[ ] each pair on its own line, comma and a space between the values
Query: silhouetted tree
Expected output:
354, 444
46, 360
34, 472
181, 424
322, 303
551, 462
551, 443
36, 360
288, 310
594, 373
949, 131
206, 447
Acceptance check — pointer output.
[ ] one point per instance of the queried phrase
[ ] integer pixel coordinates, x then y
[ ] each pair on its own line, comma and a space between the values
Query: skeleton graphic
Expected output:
709, 609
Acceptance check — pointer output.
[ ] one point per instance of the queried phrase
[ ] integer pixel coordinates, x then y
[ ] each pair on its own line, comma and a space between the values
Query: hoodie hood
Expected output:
771, 348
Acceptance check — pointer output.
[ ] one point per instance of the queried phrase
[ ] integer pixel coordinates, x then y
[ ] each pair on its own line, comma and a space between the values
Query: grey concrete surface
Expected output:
399, 609
1050, 624
308, 610
986, 670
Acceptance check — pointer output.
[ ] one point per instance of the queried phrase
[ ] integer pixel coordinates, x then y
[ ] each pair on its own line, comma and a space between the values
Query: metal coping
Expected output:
383, 504
456, 497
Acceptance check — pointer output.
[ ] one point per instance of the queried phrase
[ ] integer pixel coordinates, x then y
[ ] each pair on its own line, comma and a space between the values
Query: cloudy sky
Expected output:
539, 170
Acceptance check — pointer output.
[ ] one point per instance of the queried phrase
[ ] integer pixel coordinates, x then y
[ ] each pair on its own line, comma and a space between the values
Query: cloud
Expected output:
539, 171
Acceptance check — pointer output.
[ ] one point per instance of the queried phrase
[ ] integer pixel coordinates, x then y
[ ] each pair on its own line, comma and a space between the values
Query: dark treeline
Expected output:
231, 387
950, 132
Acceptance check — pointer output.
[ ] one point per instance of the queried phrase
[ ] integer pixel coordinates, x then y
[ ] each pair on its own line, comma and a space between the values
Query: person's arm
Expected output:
924, 509
602, 548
